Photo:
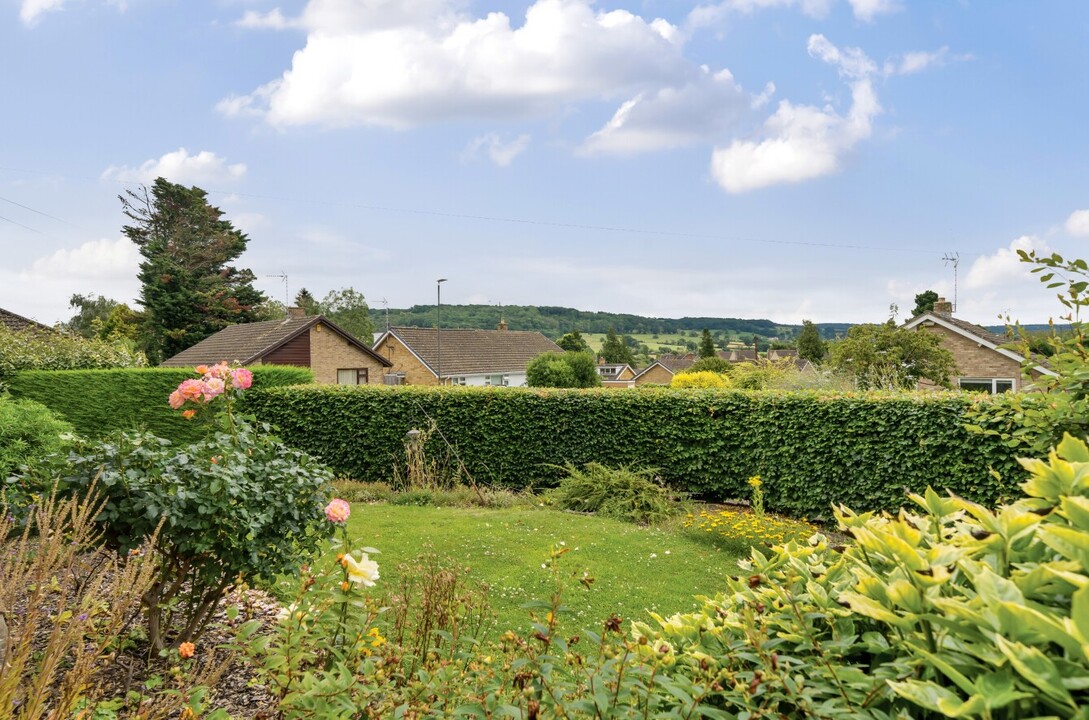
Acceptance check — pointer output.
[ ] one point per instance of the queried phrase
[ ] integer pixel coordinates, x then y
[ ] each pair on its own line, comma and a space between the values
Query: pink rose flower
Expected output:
241, 378
176, 400
201, 369
213, 387
220, 370
191, 390
337, 511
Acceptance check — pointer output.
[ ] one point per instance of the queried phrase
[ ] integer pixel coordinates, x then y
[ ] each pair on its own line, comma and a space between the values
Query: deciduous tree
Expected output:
573, 342
889, 357
615, 350
348, 309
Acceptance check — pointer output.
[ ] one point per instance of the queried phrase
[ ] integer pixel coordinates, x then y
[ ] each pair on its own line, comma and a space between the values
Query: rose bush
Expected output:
237, 506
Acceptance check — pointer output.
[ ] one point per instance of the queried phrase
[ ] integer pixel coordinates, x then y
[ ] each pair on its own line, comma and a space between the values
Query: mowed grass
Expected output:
636, 569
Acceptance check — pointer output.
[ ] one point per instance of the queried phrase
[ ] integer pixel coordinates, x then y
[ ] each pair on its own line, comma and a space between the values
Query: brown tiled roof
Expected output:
676, 363
246, 342
474, 352
18, 323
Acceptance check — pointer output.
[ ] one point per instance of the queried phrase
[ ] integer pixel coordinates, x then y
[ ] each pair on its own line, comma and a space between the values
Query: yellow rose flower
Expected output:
363, 571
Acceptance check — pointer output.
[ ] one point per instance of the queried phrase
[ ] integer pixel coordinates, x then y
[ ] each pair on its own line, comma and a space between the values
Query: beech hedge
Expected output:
861, 449
97, 402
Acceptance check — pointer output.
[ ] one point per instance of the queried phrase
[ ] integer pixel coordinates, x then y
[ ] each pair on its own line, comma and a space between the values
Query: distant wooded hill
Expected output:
555, 321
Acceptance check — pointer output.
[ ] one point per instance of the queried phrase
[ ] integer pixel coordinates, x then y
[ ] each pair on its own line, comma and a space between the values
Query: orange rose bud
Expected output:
344, 586
188, 414
186, 650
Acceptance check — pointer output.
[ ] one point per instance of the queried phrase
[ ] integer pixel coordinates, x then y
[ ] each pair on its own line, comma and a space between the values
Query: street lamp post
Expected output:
438, 325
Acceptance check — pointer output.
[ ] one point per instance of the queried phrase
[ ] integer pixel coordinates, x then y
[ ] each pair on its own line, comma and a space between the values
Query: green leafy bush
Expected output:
950, 609
28, 432
236, 506
45, 350
811, 449
563, 370
621, 493
98, 402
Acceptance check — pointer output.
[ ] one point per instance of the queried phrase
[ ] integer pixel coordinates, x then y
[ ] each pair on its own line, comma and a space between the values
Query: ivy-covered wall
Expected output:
97, 402
812, 450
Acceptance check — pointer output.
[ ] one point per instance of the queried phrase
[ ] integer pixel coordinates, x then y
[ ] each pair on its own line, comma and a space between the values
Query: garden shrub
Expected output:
811, 449
236, 506
701, 379
35, 349
948, 608
621, 493
28, 432
98, 402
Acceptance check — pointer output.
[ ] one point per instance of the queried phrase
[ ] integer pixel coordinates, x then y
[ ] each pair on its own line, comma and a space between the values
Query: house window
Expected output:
992, 386
352, 376
457, 380
497, 380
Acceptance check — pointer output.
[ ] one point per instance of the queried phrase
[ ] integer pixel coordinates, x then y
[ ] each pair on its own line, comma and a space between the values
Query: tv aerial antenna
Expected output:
953, 258
385, 304
287, 295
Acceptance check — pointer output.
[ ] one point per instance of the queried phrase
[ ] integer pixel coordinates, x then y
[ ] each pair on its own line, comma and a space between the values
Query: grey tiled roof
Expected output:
17, 322
246, 342
676, 363
475, 352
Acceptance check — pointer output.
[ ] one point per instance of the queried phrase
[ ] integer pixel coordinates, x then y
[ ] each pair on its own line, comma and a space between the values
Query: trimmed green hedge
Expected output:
96, 402
811, 449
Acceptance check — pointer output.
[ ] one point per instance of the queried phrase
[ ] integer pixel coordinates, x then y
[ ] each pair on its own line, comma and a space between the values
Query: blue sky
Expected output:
781, 159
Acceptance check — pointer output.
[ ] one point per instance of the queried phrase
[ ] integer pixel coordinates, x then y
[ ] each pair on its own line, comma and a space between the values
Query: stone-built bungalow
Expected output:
313, 341
455, 356
616, 375
662, 370
983, 363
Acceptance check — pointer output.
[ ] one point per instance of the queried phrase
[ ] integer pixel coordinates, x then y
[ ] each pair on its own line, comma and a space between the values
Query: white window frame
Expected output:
504, 380
977, 381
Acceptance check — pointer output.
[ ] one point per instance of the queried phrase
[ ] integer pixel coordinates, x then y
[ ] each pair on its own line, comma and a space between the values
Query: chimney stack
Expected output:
296, 312
502, 326
943, 307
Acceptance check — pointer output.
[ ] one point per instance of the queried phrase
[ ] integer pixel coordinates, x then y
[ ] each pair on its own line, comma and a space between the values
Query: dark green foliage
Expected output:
28, 432
924, 302
305, 300
188, 288
563, 370
707, 345
573, 342
97, 402
620, 493
810, 449
234, 507
102, 318
710, 364
617, 350
810, 345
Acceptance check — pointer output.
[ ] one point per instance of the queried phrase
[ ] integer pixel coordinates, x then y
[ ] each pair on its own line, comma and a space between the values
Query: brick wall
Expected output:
329, 352
658, 376
415, 372
974, 360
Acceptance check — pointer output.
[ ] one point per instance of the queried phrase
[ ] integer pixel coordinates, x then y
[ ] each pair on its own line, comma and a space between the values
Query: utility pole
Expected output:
954, 259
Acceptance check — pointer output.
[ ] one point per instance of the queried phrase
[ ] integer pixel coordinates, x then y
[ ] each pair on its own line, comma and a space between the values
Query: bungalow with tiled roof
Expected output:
18, 323
984, 363
455, 356
313, 341
662, 370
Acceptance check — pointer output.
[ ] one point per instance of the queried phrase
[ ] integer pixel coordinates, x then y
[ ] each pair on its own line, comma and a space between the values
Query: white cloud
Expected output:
179, 166
1004, 266
1078, 223
274, 19
94, 260
802, 142
707, 107
499, 152
400, 64
708, 15
248, 222
867, 10
914, 62
32, 10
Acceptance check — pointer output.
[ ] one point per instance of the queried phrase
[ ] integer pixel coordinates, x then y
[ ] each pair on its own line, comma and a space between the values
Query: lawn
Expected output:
636, 569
